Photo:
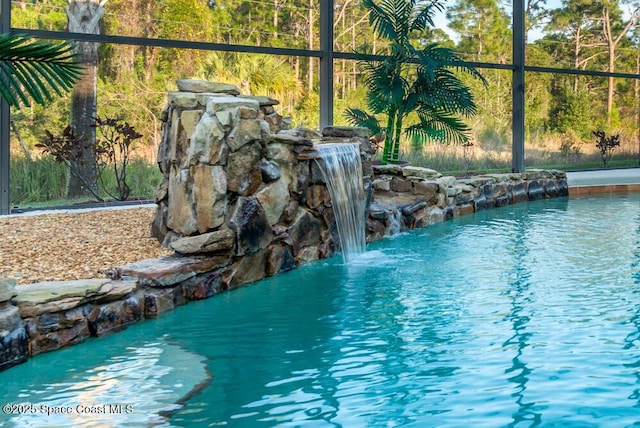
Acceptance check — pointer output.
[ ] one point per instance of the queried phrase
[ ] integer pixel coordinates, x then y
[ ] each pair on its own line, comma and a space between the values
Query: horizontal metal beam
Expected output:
185, 44
575, 72
369, 57
166, 43
494, 66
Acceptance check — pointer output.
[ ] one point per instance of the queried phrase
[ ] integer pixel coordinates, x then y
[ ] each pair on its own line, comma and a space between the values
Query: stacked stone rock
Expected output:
13, 336
242, 198
61, 313
417, 197
241, 187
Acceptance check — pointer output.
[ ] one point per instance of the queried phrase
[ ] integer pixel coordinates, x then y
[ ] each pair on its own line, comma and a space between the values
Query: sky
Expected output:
441, 20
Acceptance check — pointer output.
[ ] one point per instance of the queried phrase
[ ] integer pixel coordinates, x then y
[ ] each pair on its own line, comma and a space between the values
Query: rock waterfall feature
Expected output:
342, 171
243, 197
243, 191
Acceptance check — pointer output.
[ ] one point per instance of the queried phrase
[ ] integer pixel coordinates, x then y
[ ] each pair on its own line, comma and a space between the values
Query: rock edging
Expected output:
242, 198
14, 343
43, 317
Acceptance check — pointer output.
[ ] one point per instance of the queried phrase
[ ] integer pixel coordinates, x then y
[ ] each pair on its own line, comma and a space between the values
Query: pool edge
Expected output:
602, 189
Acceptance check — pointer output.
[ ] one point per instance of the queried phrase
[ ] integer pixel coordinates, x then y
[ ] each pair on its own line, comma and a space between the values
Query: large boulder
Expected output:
247, 131
274, 198
249, 269
219, 241
207, 144
202, 86
181, 216
14, 348
305, 231
7, 289
116, 316
243, 171
210, 196
251, 226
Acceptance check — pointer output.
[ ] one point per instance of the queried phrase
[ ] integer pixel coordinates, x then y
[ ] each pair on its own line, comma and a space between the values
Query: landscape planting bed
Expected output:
75, 244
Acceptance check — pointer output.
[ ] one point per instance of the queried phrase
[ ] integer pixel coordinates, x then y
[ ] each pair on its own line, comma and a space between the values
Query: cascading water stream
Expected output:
342, 171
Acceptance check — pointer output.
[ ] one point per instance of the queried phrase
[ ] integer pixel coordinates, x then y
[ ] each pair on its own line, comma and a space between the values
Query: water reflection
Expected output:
632, 340
265, 350
136, 387
365, 351
520, 296
485, 321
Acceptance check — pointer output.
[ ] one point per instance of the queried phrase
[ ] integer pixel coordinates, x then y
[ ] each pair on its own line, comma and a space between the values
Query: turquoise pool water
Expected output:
522, 316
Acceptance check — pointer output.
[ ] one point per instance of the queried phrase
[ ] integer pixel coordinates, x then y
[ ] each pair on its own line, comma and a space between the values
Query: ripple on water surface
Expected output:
521, 316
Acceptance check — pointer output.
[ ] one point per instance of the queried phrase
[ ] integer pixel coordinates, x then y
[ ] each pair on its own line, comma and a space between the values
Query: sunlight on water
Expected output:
135, 387
522, 316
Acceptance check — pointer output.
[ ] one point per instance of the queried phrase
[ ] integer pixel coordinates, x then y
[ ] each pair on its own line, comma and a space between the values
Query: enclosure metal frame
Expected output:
325, 54
5, 135
517, 88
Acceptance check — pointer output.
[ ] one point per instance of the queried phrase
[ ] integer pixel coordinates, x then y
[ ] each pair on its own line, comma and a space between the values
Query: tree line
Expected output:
132, 80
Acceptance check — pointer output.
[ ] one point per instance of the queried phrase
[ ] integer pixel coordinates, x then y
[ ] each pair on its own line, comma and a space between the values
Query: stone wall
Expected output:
412, 197
13, 336
242, 199
241, 187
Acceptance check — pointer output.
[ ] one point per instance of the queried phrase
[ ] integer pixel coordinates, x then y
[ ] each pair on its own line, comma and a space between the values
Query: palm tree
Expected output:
409, 80
31, 70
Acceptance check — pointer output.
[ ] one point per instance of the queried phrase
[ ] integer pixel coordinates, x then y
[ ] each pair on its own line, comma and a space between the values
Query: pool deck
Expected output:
603, 181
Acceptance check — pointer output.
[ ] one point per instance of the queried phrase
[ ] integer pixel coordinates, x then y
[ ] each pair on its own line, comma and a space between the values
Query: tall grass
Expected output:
143, 179
37, 180
490, 156
456, 160
43, 182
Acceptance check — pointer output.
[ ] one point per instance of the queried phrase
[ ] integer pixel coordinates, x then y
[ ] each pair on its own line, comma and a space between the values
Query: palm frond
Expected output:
410, 82
445, 93
424, 16
358, 117
412, 102
401, 11
439, 127
30, 70
387, 87
381, 19
447, 57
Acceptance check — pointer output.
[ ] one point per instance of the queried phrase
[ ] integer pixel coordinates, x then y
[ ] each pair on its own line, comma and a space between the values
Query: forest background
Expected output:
562, 110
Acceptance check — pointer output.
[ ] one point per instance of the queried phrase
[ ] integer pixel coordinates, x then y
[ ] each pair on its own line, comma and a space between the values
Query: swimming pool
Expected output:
521, 316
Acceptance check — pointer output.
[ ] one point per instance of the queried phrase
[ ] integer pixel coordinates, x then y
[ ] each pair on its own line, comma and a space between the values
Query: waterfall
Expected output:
342, 171
394, 223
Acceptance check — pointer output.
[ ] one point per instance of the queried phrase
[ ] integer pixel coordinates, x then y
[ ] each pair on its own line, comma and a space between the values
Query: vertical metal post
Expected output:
636, 84
326, 63
517, 126
5, 135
